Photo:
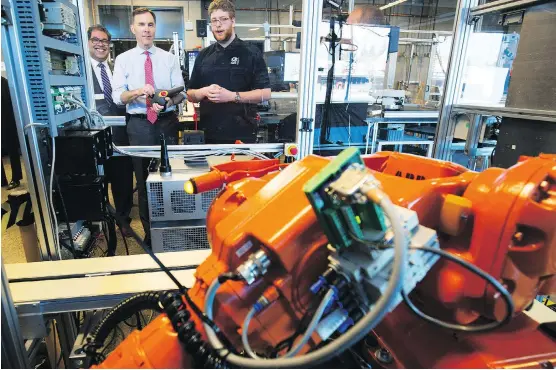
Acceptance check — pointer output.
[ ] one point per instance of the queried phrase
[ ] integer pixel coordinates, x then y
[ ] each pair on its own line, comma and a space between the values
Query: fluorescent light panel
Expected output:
392, 4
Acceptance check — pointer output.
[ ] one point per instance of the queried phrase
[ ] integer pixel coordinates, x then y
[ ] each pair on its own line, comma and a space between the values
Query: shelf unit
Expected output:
39, 79
25, 46
58, 45
70, 116
65, 80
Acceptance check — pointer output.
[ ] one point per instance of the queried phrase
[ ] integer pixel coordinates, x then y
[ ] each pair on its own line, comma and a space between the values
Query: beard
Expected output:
225, 37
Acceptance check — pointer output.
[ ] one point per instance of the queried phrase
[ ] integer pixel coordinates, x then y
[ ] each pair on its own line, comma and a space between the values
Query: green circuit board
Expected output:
339, 218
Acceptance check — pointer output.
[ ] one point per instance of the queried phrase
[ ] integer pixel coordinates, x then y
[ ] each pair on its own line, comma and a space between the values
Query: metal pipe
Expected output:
90, 91
502, 5
473, 135
243, 25
14, 355
266, 10
454, 75
432, 32
260, 148
306, 107
176, 45
291, 16
411, 40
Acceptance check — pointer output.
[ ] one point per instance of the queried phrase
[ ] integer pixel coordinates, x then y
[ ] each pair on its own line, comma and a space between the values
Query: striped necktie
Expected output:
106, 84
149, 79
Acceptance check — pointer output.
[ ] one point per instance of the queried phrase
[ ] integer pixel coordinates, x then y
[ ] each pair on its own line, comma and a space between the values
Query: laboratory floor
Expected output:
12, 246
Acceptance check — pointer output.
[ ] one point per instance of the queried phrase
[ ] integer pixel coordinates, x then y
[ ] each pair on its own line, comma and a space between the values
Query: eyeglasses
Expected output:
222, 20
96, 41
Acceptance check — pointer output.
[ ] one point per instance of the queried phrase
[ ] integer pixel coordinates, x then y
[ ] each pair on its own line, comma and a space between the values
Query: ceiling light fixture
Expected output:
254, 29
392, 4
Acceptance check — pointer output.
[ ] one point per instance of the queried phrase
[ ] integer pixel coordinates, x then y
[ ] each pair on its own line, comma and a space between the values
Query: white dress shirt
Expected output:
129, 74
96, 69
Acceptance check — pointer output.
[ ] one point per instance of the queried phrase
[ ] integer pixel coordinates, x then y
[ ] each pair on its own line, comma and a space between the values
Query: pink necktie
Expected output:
149, 79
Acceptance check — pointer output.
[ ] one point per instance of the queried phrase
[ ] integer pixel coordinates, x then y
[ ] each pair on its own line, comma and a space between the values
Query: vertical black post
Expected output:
165, 168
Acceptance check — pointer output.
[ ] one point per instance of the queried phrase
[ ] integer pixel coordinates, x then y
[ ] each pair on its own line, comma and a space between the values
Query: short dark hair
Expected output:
142, 11
98, 27
224, 5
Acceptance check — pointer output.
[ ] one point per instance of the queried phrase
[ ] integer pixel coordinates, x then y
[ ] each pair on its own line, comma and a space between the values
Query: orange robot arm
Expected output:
500, 220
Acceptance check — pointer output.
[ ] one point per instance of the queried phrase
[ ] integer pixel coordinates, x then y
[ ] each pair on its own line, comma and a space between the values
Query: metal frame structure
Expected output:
530, 114
306, 107
428, 143
184, 149
502, 5
43, 291
454, 75
14, 355
468, 14
23, 46
20, 103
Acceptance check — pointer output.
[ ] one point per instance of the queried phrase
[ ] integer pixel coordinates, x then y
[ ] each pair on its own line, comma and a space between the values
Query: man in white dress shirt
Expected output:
118, 171
137, 73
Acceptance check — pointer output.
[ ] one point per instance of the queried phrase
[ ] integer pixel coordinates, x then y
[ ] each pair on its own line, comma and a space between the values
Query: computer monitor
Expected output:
292, 65
191, 56
275, 63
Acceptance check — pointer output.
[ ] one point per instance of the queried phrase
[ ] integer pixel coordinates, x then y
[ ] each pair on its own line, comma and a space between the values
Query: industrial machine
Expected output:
389, 99
178, 218
320, 254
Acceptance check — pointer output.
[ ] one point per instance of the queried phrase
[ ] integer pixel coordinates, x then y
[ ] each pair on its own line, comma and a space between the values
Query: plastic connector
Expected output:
317, 287
324, 280
345, 325
270, 295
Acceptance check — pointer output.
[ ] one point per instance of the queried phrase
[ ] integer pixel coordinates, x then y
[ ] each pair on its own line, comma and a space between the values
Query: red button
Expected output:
293, 151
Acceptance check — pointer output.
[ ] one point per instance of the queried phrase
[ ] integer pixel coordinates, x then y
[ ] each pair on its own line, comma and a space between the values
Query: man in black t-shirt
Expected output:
229, 79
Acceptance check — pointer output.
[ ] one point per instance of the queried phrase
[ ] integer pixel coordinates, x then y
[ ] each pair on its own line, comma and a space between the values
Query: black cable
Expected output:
203, 354
183, 290
55, 340
64, 209
476, 270
111, 342
147, 250
468, 266
68, 247
121, 312
289, 341
138, 318
125, 241
66, 218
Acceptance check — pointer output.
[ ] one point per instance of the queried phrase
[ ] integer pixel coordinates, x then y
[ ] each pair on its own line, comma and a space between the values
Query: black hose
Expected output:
123, 311
203, 354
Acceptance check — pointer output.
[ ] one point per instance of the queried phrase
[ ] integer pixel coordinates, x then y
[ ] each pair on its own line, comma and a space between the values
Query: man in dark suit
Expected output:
118, 170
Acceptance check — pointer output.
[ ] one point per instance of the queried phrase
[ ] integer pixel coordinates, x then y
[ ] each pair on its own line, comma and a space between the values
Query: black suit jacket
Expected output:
119, 133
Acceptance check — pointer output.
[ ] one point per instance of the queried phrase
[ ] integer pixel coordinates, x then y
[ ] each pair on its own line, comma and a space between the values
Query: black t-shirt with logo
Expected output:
239, 67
